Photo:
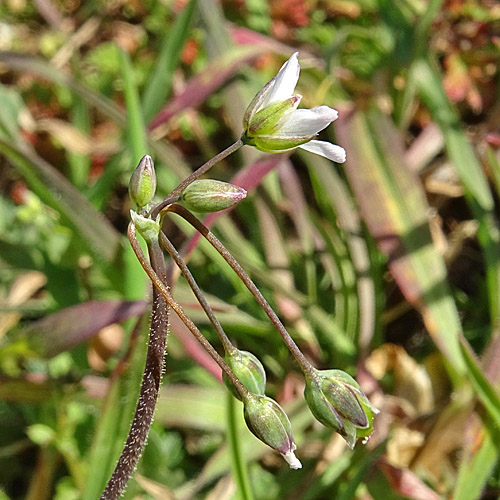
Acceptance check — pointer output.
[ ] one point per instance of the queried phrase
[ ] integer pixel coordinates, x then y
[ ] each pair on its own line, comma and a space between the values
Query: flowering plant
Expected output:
272, 123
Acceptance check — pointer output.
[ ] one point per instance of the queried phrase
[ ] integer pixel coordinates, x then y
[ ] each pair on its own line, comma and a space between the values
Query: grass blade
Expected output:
135, 122
470, 172
160, 81
394, 207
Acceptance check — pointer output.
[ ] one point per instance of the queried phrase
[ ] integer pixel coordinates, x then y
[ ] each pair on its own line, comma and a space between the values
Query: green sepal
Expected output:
249, 370
148, 228
268, 120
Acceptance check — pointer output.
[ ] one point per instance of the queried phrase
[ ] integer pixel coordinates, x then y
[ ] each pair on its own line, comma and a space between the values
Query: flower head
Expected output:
273, 123
268, 422
337, 401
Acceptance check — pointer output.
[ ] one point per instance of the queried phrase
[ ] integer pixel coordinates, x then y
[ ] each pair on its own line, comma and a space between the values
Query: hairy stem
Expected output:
304, 364
174, 195
169, 247
177, 308
150, 386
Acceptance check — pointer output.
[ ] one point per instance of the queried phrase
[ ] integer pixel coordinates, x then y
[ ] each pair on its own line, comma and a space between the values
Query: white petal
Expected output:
307, 122
326, 149
292, 460
285, 81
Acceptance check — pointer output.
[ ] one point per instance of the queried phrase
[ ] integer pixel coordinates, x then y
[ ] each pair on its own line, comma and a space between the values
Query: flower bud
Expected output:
267, 421
147, 228
208, 195
249, 371
142, 185
337, 401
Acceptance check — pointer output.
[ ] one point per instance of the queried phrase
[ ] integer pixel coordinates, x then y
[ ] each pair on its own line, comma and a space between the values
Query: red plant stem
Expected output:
176, 193
306, 367
150, 386
169, 247
177, 308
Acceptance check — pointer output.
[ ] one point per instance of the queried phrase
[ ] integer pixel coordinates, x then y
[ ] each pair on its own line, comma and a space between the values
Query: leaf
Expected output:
63, 330
135, 121
160, 81
406, 483
477, 463
22, 62
206, 83
393, 204
461, 153
485, 391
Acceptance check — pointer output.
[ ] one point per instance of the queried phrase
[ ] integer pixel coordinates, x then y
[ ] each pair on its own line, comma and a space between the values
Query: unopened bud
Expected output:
148, 228
267, 421
337, 401
142, 185
209, 195
249, 371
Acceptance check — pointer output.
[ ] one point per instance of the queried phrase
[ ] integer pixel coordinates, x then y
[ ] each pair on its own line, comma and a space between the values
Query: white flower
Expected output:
273, 123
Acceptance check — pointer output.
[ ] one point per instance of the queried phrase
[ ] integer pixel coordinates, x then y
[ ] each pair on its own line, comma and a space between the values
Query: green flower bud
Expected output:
248, 369
268, 422
337, 401
208, 195
142, 185
147, 228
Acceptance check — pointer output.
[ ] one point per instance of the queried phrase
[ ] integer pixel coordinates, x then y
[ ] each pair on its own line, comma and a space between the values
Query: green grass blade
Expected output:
470, 172
476, 467
135, 122
160, 81
79, 164
238, 464
394, 207
485, 391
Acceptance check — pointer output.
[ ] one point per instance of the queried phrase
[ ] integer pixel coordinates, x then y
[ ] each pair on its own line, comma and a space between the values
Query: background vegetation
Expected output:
386, 267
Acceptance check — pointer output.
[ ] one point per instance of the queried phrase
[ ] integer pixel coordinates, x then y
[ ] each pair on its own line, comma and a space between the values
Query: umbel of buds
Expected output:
337, 401
209, 195
268, 421
249, 371
142, 185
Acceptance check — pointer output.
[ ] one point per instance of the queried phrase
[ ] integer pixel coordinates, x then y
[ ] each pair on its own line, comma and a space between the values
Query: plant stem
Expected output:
169, 247
238, 464
175, 194
177, 308
150, 386
304, 364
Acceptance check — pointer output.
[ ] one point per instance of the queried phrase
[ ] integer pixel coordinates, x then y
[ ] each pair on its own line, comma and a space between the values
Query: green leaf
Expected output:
394, 207
160, 81
135, 122
429, 86
484, 390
